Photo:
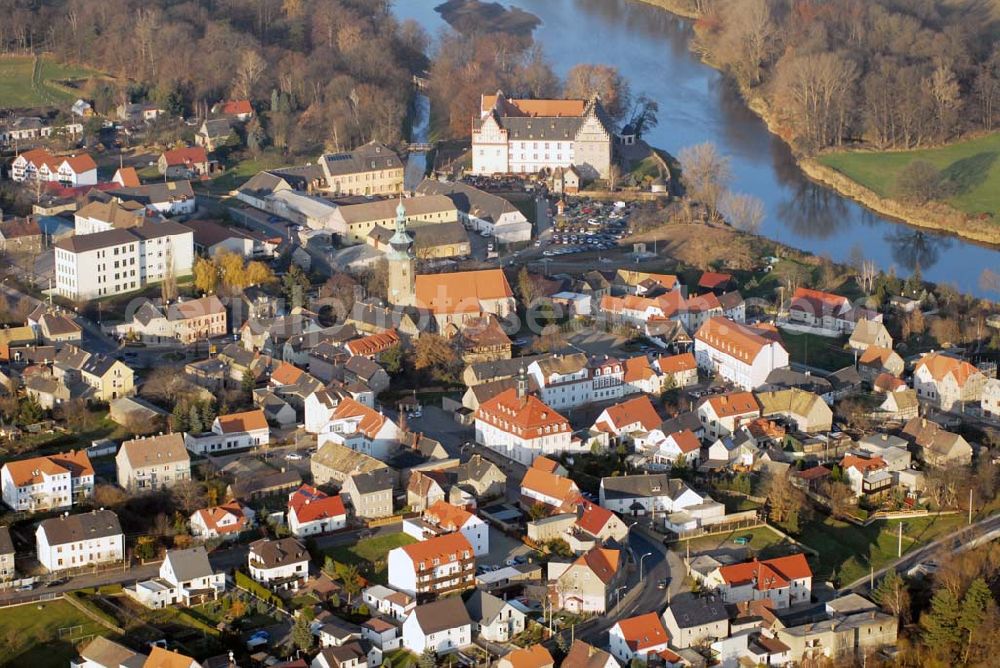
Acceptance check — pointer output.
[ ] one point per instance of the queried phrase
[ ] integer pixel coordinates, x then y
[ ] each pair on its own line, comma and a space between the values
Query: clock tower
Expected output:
402, 266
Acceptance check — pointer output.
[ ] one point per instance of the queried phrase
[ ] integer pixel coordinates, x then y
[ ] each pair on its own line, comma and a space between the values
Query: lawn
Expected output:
818, 351
763, 542
402, 658
43, 634
241, 172
972, 166
847, 551
370, 554
21, 86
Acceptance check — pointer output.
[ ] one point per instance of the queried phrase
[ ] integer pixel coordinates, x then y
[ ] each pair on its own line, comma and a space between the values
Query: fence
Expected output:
93, 614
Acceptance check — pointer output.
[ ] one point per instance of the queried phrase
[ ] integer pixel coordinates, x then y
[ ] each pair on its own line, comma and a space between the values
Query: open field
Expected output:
370, 554
847, 552
815, 350
764, 542
43, 634
22, 86
973, 167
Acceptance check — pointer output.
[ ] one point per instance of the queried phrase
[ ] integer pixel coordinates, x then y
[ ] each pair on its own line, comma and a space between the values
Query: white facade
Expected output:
991, 399
217, 441
442, 642
745, 374
619, 646
179, 582
525, 450
300, 528
58, 556
120, 261
583, 385
49, 490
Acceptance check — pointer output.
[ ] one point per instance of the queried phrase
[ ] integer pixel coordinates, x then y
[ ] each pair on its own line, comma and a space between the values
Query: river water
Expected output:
650, 47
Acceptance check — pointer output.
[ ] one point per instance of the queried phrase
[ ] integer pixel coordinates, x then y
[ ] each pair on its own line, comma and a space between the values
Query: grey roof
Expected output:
155, 193
340, 628
84, 526
476, 469
6, 545
261, 483
263, 184
443, 614
502, 368
690, 611
486, 391
468, 200
218, 127
789, 378
281, 552
845, 378
362, 367
647, 485
688, 420
104, 652
484, 607
98, 365
190, 564
82, 243
367, 158
374, 481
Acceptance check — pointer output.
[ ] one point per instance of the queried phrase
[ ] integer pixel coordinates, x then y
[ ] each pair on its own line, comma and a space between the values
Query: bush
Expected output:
244, 581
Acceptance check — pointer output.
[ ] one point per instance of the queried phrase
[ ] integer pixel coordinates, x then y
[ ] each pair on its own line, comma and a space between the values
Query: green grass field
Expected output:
973, 166
815, 350
21, 86
370, 554
43, 634
763, 542
848, 552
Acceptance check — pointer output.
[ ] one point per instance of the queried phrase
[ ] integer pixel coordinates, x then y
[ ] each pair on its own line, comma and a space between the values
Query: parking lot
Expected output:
503, 548
587, 225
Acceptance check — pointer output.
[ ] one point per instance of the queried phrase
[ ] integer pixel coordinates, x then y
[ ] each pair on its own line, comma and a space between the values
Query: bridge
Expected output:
419, 148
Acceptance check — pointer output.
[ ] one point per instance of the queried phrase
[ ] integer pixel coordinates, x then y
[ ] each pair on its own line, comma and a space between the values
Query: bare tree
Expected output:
248, 73
818, 88
744, 212
705, 172
748, 38
585, 81
867, 275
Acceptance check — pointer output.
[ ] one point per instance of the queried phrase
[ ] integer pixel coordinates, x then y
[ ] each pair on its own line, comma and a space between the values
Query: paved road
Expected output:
958, 541
221, 559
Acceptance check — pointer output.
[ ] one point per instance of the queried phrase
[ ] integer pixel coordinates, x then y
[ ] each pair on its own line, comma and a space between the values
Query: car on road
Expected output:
295, 456
57, 582
662, 584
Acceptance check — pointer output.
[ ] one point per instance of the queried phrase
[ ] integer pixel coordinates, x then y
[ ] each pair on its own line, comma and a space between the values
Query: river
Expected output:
650, 47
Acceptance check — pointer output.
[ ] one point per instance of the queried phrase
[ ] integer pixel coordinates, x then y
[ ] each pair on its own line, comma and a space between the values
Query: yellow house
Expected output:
110, 378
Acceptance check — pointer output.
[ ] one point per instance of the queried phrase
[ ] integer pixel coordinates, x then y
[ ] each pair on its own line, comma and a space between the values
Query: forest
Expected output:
889, 73
332, 73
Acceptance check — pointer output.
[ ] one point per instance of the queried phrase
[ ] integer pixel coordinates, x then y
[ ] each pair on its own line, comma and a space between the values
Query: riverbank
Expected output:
936, 216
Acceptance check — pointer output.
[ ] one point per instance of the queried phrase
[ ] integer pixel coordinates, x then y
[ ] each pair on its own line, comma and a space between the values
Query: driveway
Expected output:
441, 426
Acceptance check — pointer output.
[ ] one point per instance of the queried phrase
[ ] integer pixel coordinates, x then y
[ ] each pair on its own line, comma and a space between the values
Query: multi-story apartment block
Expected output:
122, 260
74, 541
442, 518
742, 355
436, 566
946, 382
519, 426
47, 483
155, 462
73, 170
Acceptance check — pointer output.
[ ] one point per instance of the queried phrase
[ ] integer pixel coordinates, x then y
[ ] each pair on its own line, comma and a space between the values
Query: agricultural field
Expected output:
27, 82
973, 167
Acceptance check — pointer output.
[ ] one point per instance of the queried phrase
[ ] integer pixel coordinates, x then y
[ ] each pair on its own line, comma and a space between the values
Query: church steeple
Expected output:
402, 266
400, 243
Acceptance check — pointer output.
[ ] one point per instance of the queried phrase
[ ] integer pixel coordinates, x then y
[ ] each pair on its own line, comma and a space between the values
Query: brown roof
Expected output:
155, 450
245, 421
30, 471
582, 655
20, 227
733, 338
190, 155
461, 292
280, 552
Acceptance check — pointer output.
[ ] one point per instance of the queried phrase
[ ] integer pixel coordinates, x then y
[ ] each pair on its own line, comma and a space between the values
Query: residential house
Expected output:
55, 328
361, 428
103, 653
348, 655
215, 133
172, 198
75, 541
638, 638
807, 411
583, 655
483, 339
637, 495
676, 446
443, 517
846, 629
282, 563
236, 431
442, 626
186, 578
521, 427
723, 414
361, 370
691, 620
868, 333
622, 421
425, 488
311, 512
481, 476
436, 566
383, 635
388, 602
7, 570
40, 165
556, 493
493, 618
866, 476
21, 235
587, 584
373, 345
333, 463
786, 581
102, 216
741, 354
225, 521
153, 462
182, 322
678, 371
370, 494
938, 447
991, 399
533, 656
901, 404
947, 382
875, 361
139, 112
241, 110
600, 524
49, 482
184, 163
815, 308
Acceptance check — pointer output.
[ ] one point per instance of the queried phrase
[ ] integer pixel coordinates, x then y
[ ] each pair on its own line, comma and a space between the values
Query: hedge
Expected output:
244, 581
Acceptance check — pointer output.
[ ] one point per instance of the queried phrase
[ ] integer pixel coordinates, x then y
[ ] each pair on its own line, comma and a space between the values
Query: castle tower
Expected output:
402, 267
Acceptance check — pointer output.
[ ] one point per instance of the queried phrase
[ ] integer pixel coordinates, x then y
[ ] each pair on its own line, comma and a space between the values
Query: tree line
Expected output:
335, 73
891, 73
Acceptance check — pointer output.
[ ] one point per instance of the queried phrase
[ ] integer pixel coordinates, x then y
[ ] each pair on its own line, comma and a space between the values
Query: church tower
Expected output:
402, 267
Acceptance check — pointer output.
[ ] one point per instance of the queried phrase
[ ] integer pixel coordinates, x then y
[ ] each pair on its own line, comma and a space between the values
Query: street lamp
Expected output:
640, 564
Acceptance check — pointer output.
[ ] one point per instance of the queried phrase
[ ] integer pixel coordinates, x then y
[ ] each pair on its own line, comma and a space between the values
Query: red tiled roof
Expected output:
712, 280
447, 516
448, 547
770, 574
311, 504
535, 656
941, 365
601, 561
818, 303
236, 107
286, 374
863, 464
245, 421
686, 441
637, 368
545, 464
129, 177
733, 338
30, 471
734, 403
594, 518
643, 632
814, 473
676, 363
525, 416
211, 517
639, 409
371, 421
373, 343
461, 292
190, 155
551, 485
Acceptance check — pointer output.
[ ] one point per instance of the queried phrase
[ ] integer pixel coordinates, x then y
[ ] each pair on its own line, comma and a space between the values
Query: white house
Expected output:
50, 482
73, 170
742, 355
723, 414
361, 428
638, 637
75, 541
186, 577
567, 381
236, 431
991, 399
224, 521
637, 495
946, 382
394, 604
519, 426
435, 566
786, 581
443, 517
279, 564
312, 512
682, 444
122, 260
443, 626
494, 618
